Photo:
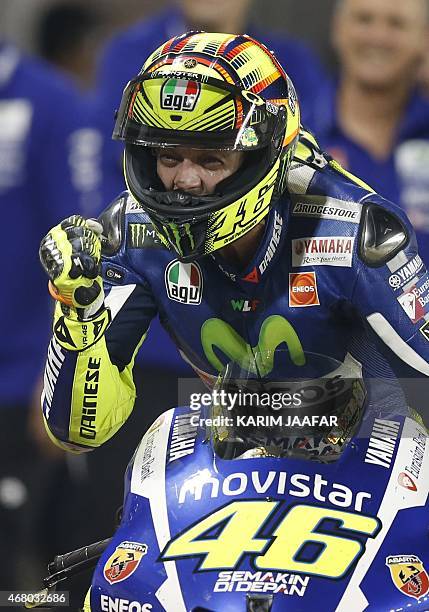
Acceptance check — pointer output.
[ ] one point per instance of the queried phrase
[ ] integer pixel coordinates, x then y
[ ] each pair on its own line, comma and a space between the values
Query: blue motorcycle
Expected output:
290, 492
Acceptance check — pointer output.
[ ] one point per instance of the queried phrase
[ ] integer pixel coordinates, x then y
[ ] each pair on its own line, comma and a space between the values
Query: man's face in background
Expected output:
380, 42
210, 14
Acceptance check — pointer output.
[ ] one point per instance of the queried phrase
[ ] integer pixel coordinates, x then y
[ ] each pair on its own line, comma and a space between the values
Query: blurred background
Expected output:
362, 73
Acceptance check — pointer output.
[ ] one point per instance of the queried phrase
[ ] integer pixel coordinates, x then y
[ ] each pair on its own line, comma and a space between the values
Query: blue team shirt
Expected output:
123, 59
48, 171
403, 177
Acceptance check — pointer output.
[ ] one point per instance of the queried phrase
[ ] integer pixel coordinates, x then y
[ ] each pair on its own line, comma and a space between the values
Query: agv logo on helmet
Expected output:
180, 95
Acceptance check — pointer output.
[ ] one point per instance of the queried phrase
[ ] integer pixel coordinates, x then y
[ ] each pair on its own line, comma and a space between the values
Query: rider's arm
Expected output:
392, 292
89, 390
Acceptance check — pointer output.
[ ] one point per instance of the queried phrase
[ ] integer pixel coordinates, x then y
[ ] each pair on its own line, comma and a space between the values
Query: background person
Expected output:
373, 119
68, 36
43, 176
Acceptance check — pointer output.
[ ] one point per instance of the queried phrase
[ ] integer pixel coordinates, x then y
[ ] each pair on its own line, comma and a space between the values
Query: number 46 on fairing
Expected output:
306, 539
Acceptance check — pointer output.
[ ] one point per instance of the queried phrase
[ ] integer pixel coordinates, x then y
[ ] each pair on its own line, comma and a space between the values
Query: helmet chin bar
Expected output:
181, 218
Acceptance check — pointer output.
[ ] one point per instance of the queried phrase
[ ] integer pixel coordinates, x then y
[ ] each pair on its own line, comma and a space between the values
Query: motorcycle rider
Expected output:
238, 230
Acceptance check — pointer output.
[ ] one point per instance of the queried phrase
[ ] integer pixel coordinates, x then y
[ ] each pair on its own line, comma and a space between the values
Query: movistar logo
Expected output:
217, 337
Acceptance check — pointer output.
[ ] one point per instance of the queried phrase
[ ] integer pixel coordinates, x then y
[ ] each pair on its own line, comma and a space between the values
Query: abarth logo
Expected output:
124, 561
408, 575
184, 282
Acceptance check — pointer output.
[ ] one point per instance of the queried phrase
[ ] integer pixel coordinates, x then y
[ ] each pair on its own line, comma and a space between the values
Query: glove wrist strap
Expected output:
77, 335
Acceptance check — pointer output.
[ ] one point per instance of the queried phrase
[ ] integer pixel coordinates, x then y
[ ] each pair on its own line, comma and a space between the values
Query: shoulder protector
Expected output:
382, 235
112, 220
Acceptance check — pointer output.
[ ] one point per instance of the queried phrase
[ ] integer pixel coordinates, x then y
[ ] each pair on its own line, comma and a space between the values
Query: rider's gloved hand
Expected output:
71, 256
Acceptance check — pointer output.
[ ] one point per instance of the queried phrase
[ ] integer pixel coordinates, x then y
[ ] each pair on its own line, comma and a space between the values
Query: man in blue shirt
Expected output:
121, 60
373, 120
47, 169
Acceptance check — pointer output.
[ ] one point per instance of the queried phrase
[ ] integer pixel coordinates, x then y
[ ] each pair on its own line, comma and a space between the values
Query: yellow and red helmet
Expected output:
209, 91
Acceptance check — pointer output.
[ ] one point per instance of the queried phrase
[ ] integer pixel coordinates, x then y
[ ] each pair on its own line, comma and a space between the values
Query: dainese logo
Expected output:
303, 290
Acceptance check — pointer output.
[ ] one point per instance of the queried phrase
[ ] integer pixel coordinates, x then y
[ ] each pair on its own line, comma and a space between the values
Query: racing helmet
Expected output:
209, 91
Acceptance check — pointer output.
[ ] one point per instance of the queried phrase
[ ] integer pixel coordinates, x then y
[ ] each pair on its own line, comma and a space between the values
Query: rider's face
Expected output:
195, 171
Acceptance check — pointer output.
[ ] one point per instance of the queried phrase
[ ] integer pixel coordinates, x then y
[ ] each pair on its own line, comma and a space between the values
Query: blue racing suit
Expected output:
337, 272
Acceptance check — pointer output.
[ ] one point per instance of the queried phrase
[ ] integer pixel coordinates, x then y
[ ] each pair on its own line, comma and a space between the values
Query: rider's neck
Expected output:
241, 251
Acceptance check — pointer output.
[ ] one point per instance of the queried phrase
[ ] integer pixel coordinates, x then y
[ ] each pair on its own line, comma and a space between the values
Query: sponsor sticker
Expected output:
273, 244
180, 95
406, 481
241, 305
415, 462
124, 561
184, 282
382, 442
329, 209
114, 275
132, 206
252, 277
249, 138
142, 235
415, 302
303, 290
261, 582
110, 604
408, 575
407, 273
323, 251
183, 437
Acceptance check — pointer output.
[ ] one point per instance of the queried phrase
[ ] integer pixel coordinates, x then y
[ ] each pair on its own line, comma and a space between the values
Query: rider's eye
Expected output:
212, 163
168, 159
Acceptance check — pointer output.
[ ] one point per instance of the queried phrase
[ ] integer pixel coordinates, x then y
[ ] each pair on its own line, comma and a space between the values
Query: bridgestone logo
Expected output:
343, 211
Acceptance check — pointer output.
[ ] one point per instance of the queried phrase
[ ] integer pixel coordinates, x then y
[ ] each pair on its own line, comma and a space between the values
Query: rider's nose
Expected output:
188, 178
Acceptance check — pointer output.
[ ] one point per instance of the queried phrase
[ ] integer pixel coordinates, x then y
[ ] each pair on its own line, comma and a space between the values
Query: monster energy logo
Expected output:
141, 235
217, 334
176, 234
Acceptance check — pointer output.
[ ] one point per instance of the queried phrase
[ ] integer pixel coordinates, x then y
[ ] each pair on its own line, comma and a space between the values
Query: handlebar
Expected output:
69, 564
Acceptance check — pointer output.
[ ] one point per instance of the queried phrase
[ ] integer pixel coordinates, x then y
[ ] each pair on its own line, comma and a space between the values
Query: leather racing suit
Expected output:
336, 272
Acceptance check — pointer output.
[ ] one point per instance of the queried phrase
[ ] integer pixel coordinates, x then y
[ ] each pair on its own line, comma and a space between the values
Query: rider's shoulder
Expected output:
126, 226
320, 186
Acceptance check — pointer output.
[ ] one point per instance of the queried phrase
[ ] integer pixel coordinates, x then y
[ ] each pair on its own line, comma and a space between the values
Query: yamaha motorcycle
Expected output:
288, 493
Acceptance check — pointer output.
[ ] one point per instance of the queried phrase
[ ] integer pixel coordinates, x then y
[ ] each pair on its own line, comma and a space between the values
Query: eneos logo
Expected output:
303, 290
124, 561
180, 95
184, 282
